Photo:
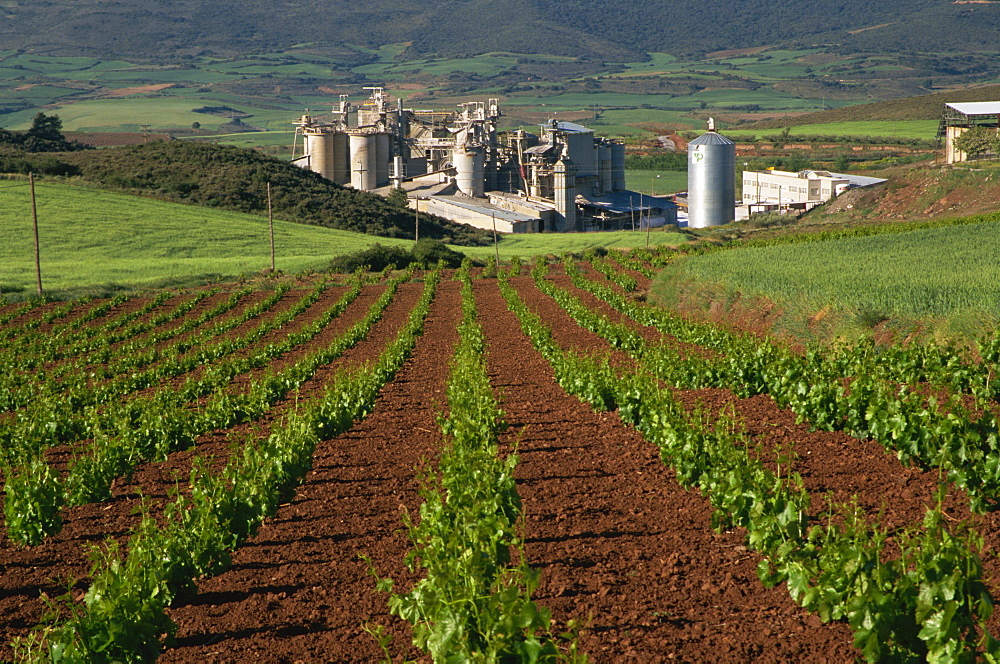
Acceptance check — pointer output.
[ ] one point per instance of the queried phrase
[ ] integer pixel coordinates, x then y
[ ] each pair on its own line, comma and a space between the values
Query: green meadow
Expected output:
93, 239
921, 129
889, 275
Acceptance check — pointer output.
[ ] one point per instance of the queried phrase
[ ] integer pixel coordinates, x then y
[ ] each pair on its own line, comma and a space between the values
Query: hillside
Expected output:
920, 107
236, 179
563, 27
92, 239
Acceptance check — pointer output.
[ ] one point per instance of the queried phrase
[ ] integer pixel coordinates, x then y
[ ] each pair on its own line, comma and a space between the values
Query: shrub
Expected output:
375, 259
429, 252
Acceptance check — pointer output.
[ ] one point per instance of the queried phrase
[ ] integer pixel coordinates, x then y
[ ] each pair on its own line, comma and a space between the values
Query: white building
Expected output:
782, 190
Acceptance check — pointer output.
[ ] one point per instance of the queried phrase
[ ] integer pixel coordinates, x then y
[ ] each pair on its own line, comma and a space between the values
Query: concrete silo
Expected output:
363, 164
469, 164
711, 180
617, 166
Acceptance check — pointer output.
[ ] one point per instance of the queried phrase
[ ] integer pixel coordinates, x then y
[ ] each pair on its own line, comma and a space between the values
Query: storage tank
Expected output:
617, 166
341, 156
320, 150
362, 164
469, 167
604, 162
711, 180
382, 159
564, 193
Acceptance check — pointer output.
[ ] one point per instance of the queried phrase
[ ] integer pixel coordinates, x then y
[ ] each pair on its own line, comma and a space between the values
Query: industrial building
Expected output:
782, 191
459, 166
958, 118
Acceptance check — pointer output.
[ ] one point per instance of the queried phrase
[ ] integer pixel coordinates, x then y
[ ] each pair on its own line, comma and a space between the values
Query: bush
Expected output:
429, 252
375, 259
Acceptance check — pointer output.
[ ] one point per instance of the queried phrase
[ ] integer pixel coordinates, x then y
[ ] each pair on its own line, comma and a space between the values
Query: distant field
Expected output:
656, 182
922, 129
930, 272
91, 238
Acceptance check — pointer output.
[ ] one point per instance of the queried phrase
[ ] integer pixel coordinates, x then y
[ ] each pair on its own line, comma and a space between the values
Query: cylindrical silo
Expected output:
382, 159
604, 163
711, 181
564, 193
617, 166
341, 156
469, 164
362, 161
318, 147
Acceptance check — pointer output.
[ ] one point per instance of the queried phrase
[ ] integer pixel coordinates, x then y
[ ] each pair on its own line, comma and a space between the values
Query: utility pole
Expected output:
270, 223
34, 219
496, 245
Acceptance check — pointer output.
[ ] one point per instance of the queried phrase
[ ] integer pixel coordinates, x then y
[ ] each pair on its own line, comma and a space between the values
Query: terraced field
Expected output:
543, 464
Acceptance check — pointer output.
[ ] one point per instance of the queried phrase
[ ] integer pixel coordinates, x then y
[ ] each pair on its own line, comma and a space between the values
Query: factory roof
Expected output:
711, 138
976, 107
483, 208
858, 180
619, 202
568, 126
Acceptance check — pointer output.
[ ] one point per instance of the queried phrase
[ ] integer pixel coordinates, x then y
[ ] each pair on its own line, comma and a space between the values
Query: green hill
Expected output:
921, 107
589, 28
236, 179
98, 240
93, 239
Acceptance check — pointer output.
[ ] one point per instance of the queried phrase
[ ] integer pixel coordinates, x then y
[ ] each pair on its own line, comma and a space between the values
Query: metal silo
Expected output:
711, 180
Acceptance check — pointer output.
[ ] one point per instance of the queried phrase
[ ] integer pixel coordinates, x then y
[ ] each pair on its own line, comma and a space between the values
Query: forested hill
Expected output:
236, 179
593, 28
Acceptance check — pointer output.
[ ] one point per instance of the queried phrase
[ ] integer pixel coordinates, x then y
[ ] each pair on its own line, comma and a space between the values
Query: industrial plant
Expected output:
458, 165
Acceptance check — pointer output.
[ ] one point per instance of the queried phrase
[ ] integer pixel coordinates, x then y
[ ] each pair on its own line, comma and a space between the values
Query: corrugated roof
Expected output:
976, 107
619, 202
484, 209
711, 138
859, 180
568, 126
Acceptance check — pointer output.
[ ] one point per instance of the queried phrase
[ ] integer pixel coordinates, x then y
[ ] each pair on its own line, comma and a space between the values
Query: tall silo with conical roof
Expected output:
711, 180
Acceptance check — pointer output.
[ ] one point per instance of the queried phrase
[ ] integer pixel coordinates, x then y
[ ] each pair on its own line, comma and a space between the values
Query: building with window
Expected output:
783, 191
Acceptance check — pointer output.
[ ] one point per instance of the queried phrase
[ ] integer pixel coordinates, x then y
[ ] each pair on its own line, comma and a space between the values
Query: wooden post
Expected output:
34, 220
496, 245
270, 223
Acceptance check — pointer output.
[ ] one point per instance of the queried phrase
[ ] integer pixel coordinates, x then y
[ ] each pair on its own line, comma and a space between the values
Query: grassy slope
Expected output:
91, 238
941, 280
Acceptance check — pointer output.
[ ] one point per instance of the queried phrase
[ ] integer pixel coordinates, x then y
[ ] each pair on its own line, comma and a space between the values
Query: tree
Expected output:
978, 141
46, 128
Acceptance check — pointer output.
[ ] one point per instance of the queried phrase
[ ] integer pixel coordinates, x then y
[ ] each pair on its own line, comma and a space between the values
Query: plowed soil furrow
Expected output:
620, 546
29, 572
297, 590
829, 462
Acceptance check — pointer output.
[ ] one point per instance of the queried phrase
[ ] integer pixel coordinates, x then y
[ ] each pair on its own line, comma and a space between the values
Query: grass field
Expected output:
656, 182
91, 239
922, 129
935, 272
